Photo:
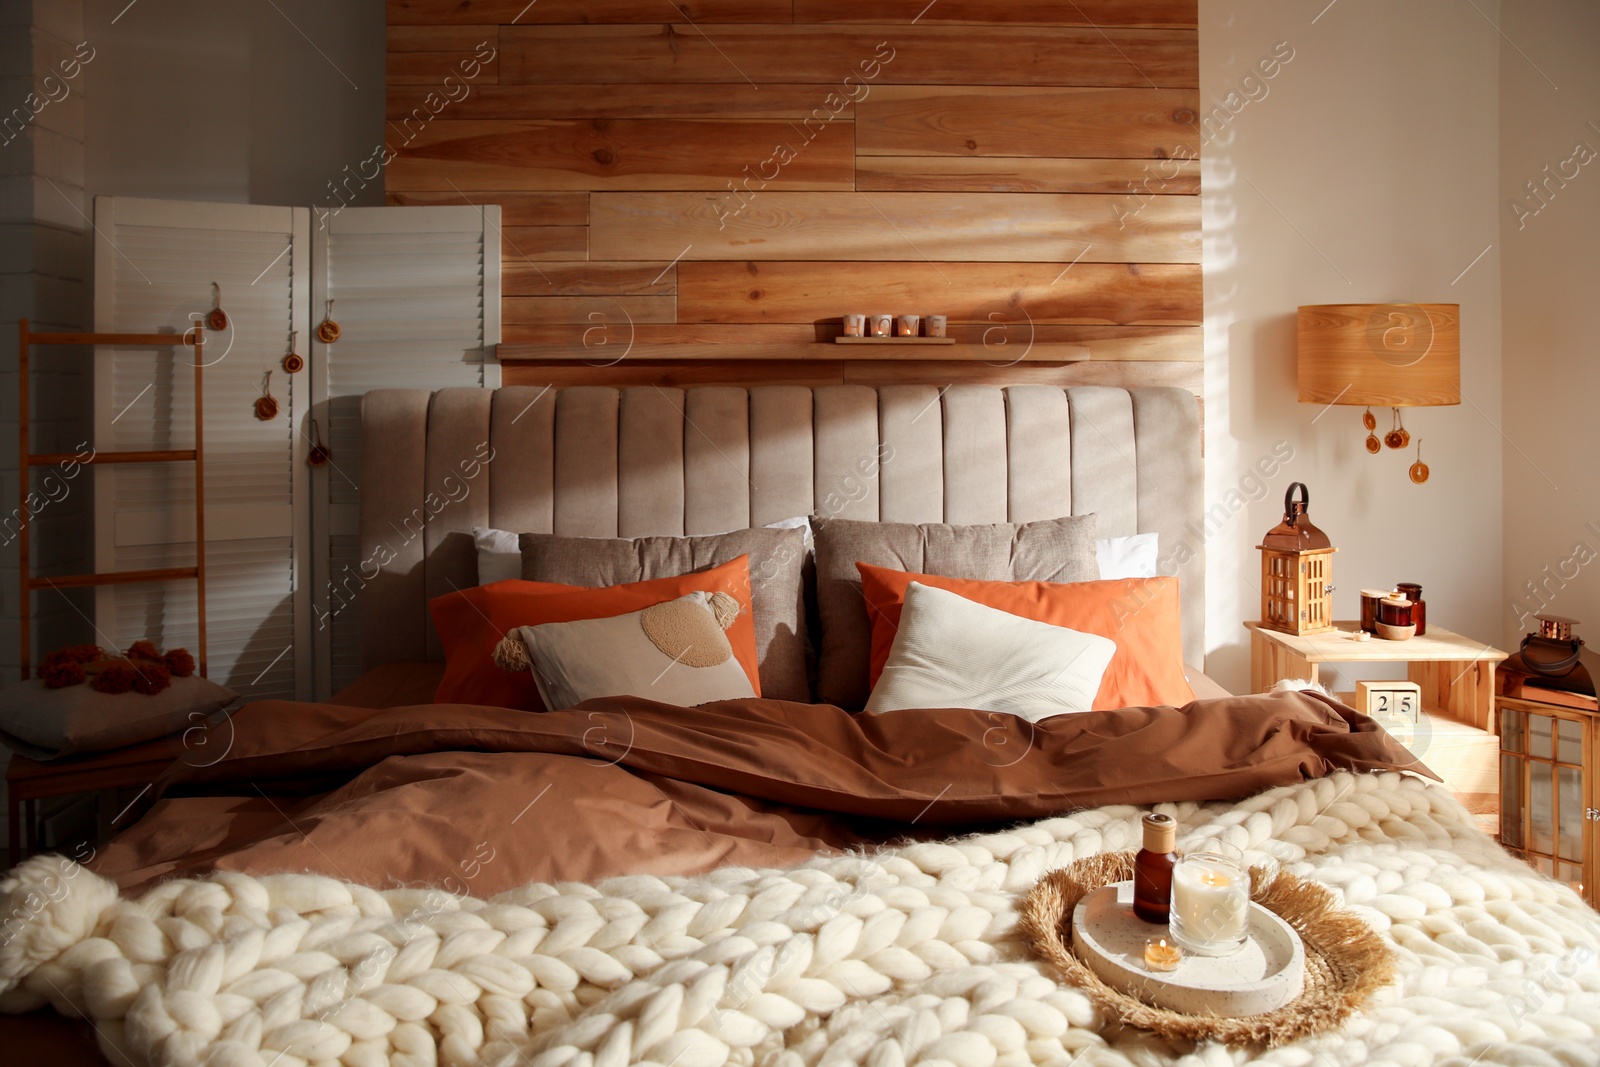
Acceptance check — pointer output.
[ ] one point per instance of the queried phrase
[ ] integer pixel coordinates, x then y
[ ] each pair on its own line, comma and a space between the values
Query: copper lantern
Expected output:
1297, 571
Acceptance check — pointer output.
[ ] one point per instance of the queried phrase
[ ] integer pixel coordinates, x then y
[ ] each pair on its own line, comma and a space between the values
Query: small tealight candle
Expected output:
1161, 954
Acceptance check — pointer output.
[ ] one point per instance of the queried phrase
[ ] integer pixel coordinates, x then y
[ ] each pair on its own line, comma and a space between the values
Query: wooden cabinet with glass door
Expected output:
1550, 790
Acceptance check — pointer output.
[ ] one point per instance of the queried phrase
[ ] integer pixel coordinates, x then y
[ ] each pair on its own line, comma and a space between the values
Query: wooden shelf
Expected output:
1467, 758
1338, 646
30, 781
894, 340
1455, 672
1455, 734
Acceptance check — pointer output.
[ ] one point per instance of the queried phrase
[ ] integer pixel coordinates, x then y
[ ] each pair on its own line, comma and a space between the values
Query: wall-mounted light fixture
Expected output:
1381, 355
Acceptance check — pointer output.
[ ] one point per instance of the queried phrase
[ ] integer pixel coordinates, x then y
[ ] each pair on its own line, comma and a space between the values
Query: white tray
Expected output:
1267, 973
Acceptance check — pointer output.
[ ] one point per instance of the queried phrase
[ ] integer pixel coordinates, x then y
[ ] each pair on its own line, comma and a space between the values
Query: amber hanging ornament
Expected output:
1419, 469
320, 454
216, 318
293, 363
328, 330
1398, 437
266, 403
1370, 421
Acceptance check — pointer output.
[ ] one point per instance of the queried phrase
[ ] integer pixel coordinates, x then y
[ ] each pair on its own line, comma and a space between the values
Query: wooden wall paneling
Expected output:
536, 229
587, 310
535, 243
979, 174
516, 208
990, 120
998, 342
621, 154
670, 217
613, 337
880, 54
673, 373
990, 227
522, 278
1163, 13
1090, 293
470, 65
502, 12
627, 100
680, 373
463, 37
1188, 376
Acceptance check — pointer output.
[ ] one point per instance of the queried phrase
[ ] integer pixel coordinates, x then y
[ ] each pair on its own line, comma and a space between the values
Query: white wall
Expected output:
234, 100
1549, 253
44, 258
1367, 172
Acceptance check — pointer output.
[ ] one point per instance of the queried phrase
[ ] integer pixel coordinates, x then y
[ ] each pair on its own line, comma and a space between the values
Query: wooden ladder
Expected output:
194, 336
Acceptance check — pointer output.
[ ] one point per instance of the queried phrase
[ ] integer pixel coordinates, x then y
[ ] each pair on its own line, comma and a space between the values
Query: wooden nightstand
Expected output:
1456, 732
29, 781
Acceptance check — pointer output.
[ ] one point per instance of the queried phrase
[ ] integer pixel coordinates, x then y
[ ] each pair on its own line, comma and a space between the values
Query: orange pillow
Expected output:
1140, 614
472, 621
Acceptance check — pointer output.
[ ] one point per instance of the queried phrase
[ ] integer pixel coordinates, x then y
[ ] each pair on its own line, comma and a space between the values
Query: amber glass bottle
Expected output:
1152, 869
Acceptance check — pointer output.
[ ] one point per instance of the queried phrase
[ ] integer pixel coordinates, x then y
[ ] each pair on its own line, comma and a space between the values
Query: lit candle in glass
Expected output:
1210, 900
1162, 955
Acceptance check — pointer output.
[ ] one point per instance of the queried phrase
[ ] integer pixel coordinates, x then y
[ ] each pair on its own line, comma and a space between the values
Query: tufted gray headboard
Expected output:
602, 462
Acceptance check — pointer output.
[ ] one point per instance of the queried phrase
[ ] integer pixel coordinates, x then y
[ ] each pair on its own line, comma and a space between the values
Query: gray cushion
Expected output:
46, 724
777, 595
1051, 550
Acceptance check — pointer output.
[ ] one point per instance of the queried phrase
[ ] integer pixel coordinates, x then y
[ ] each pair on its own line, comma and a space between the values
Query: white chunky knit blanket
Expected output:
904, 956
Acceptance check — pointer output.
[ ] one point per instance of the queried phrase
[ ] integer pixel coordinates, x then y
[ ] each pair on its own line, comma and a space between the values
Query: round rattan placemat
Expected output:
1346, 960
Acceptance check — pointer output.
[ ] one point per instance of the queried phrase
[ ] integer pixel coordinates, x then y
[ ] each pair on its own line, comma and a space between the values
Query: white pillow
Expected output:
499, 557
1128, 557
951, 652
674, 652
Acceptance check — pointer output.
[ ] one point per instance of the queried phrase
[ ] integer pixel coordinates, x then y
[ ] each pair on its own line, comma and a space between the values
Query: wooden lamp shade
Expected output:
1380, 355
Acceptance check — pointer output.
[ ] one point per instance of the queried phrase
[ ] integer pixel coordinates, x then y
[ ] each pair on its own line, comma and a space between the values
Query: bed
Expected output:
386, 879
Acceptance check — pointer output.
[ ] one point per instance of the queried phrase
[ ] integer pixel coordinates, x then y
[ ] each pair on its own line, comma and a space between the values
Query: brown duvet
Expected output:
479, 799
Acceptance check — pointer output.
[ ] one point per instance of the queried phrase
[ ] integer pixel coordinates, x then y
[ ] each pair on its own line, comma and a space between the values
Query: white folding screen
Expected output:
155, 266
416, 294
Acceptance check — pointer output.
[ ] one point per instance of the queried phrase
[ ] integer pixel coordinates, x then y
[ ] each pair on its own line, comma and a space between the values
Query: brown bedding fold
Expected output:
393, 685
479, 799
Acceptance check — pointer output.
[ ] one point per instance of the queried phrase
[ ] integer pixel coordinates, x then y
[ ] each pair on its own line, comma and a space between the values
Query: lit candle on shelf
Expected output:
1210, 903
1161, 955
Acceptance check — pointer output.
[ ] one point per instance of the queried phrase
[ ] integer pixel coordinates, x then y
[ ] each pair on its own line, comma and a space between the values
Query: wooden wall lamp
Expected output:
1381, 355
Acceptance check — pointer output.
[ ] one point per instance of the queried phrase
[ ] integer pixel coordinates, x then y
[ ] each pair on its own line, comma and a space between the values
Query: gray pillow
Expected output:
47, 724
1051, 550
777, 596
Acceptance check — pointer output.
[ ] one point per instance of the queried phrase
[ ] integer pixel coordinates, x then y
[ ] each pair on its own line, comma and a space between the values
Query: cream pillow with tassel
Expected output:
676, 653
